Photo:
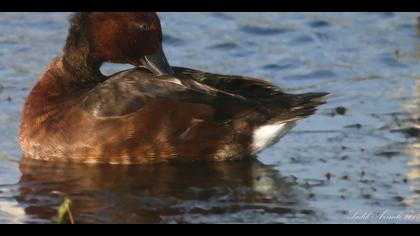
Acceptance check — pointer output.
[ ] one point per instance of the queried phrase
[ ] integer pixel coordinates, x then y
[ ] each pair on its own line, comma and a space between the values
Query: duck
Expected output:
153, 112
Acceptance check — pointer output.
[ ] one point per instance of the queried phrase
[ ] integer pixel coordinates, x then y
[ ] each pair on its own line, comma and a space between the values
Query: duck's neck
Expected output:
80, 70
78, 65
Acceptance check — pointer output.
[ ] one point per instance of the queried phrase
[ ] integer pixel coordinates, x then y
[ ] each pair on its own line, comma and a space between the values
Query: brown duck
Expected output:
153, 112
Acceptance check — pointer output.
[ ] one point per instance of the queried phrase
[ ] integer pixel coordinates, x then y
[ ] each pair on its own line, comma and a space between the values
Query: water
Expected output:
359, 167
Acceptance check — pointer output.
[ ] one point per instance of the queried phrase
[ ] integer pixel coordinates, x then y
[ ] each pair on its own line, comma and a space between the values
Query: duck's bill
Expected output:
157, 62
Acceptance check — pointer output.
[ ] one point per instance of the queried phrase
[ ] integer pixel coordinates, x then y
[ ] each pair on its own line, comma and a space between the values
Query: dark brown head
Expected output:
118, 37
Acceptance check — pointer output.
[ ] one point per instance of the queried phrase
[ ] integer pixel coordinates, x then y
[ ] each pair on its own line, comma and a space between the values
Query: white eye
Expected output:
142, 26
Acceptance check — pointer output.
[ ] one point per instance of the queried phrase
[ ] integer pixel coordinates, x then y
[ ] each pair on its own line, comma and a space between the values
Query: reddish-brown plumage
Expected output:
54, 127
76, 114
119, 36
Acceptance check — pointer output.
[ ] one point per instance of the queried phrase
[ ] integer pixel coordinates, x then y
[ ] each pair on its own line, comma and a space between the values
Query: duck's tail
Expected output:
300, 106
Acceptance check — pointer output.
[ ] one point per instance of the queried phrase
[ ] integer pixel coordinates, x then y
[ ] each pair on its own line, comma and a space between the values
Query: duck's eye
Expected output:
142, 26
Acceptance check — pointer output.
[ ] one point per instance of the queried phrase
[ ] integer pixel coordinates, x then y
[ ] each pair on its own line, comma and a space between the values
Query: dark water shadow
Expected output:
172, 40
188, 193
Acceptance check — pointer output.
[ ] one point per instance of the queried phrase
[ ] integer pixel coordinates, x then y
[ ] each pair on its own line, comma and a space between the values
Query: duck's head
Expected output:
118, 37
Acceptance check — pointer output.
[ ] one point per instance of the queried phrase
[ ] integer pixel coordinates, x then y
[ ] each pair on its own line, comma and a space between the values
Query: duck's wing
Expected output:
282, 106
129, 91
245, 86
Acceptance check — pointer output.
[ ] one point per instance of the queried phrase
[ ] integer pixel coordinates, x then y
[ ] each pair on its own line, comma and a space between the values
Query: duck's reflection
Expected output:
208, 192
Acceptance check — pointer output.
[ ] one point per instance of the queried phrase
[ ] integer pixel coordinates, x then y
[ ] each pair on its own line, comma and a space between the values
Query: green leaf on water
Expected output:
63, 210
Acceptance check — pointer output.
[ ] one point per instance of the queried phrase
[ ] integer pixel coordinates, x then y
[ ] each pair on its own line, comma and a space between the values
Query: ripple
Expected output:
222, 15
43, 24
354, 126
266, 31
313, 75
284, 64
323, 36
388, 154
224, 46
303, 39
319, 24
405, 26
386, 14
392, 62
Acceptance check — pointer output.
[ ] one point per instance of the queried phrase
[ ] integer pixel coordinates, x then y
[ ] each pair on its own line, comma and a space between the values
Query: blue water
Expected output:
331, 168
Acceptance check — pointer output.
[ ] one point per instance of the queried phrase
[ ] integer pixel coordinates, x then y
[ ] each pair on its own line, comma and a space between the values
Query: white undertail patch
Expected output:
267, 135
